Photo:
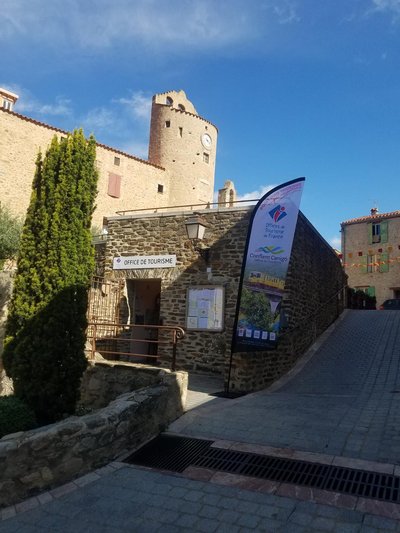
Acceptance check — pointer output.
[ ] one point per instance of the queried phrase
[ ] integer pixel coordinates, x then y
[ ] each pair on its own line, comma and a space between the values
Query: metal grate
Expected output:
168, 452
177, 453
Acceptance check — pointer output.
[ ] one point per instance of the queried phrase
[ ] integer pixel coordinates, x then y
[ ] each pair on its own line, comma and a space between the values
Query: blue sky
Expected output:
296, 87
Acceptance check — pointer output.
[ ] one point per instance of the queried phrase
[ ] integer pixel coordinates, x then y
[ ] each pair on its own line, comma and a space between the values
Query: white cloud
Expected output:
336, 242
390, 7
138, 104
257, 194
98, 119
204, 24
27, 103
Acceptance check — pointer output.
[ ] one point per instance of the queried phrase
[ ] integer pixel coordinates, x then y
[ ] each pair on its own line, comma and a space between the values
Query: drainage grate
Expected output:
168, 452
177, 453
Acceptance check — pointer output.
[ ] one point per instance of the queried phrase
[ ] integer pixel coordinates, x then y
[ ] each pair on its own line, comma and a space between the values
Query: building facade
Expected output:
371, 254
179, 170
186, 273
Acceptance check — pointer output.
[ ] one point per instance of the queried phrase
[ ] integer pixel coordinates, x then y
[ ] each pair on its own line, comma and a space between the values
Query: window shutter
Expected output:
114, 185
371, 291
384, 231
363, 264
384, 263
369, 233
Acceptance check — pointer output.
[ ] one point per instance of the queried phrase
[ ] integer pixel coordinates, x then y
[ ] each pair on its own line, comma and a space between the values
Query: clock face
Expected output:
206, 140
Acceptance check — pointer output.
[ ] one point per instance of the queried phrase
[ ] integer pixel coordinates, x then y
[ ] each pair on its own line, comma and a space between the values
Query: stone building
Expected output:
162, 273
179, 170
371, 254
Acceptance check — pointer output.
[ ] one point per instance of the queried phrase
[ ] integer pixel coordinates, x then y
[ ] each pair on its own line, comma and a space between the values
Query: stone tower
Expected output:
185, 145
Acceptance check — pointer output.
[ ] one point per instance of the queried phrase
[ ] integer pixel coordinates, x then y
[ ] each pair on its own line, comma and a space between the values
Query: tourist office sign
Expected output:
130, 262
264, 269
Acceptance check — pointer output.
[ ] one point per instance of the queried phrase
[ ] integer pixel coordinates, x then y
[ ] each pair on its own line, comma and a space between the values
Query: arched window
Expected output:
181, 107
169, 100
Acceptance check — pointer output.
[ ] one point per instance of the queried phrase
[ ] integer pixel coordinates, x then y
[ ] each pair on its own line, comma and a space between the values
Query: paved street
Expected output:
344, 401
339, 407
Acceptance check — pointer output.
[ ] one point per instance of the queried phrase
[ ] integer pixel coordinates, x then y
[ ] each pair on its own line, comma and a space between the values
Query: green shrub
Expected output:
44, 348
15, 416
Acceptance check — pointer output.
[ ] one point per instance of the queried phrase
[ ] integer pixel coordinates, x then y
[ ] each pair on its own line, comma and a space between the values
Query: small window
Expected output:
180, 132
117, 161
160, 188
378, 232
181, 107
7, 105
169, 100
114, 185
206, 158
167, 123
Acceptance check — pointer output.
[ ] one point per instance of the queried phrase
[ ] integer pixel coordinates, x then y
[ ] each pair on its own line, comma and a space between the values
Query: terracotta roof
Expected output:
371, 218
114, 150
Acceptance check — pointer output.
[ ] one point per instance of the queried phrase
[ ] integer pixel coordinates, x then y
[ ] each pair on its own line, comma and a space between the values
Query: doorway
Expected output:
144, 310
396, 292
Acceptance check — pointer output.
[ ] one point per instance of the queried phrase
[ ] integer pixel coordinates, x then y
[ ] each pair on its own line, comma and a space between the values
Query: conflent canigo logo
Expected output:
274, 250
278, 212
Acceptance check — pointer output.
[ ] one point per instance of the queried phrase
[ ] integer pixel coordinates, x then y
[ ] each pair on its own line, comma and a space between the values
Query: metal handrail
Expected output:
206, 205
176, 331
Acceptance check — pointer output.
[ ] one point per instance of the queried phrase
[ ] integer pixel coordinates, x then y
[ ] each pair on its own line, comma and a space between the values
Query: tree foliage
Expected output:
45, 331
10, 233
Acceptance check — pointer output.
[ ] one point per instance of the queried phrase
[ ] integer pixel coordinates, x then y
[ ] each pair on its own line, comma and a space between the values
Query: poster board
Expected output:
205, 308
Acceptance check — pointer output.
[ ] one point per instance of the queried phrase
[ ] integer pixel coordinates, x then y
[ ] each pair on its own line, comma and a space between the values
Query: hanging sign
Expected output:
264, 269
144, 261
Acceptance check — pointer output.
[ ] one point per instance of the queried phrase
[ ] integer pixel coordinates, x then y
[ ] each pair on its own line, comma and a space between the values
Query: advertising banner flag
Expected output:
264, 269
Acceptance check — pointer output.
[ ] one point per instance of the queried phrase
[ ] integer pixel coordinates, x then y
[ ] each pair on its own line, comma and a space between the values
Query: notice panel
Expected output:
205, 308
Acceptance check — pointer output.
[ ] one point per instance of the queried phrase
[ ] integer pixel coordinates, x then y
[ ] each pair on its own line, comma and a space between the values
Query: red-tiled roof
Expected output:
371, 218
114, 150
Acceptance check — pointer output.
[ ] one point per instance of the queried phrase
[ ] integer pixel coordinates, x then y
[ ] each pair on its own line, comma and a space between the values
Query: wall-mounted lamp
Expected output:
195, 228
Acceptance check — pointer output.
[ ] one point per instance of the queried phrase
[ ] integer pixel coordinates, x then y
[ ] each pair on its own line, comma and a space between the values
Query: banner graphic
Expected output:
264, 269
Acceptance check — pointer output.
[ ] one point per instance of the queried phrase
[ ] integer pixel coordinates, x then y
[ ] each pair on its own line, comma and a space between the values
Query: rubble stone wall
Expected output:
313, 293
40, 459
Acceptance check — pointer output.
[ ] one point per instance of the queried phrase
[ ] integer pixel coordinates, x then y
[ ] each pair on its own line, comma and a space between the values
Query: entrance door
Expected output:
144, 309
396, 293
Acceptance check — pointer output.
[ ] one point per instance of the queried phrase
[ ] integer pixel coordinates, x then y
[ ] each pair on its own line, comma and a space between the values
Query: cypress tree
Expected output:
45, 331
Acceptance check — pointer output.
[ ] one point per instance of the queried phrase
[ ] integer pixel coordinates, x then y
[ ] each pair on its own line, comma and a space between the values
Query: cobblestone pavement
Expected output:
343, 403
129, 499
345, 400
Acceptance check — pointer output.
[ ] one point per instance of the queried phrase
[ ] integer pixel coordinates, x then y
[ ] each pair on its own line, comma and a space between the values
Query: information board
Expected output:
205, 308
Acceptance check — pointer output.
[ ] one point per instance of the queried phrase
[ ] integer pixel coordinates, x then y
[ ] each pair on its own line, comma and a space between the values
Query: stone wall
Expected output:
311, 301
20, 142
46, 457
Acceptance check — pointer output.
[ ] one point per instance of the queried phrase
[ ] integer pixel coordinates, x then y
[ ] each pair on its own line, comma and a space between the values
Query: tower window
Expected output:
180, 132
169, 100
206, 157
181, 107
167, 123
117, 161
7, 104
160, 188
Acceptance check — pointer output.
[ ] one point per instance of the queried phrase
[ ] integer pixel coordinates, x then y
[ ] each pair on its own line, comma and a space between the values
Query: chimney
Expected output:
7, 99
374, 211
